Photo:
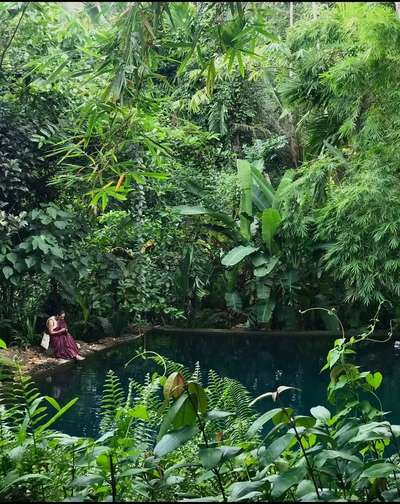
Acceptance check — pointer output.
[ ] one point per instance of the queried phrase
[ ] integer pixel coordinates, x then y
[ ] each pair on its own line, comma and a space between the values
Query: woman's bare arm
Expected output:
52, 331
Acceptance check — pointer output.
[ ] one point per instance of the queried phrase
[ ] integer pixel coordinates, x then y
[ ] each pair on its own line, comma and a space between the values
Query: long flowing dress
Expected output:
63, 344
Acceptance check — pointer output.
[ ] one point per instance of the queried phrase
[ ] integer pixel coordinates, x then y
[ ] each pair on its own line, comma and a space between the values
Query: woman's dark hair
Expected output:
54, 309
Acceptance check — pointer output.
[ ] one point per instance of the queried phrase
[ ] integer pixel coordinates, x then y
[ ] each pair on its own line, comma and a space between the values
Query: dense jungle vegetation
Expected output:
200, 164
142, 144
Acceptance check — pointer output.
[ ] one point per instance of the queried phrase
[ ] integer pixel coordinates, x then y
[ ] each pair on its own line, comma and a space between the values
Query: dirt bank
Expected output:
35, 360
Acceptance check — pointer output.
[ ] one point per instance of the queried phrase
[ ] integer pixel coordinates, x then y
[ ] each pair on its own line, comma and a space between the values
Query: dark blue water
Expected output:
259, 363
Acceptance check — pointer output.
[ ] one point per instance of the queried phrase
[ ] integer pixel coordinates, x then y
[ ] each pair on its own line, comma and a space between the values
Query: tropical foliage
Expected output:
202, 164
264, 147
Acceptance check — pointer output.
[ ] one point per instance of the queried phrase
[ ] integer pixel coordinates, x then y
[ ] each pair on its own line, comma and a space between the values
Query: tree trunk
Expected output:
291, 13
397, 5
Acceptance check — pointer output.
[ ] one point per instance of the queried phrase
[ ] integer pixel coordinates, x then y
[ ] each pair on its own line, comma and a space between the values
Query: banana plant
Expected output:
253, 236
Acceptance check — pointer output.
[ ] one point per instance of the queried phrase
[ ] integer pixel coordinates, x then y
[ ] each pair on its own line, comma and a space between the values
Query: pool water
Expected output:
261, 363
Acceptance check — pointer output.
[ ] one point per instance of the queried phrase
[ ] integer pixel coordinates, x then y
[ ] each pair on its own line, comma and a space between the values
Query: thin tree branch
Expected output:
13, 35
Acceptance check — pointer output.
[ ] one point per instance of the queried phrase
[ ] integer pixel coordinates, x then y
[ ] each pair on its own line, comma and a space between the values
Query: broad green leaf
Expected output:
229, 452
263, 291
266, 268
210, 457
243, 489
87, 480
305, 487
304, 421
187, 413
320, 413
270, 222
284, 184
21, 479
371, 432
263, 419
274, 450
197, 390
171, 414
325, 455
283, 416
60, 224
7, 271
12, 257
140, 411
57, 252
197, 210
237, 254
3, 344
264, 311
286, 480
46, 268
263, 192
173, 440
30, 261
233, 301
259, 260
380, 470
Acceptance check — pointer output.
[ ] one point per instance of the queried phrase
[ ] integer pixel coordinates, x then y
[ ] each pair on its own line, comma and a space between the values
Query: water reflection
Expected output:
261, 364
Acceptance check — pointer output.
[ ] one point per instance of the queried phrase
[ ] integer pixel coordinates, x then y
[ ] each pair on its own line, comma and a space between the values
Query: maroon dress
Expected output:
63, 344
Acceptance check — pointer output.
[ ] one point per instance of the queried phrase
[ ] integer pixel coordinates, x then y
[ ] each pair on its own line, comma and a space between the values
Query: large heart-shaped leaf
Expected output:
374, 380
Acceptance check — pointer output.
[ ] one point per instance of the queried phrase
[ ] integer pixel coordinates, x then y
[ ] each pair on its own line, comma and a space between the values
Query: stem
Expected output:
73, 470
13, 35
298, 437
340, 475
397, 483
113, 483
215, 470
396, 444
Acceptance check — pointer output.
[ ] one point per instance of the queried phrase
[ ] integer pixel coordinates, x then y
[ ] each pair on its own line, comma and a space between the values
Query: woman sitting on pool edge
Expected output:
61, 341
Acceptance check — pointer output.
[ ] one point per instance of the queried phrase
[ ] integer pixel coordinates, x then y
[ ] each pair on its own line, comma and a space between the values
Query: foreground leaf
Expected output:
173, 440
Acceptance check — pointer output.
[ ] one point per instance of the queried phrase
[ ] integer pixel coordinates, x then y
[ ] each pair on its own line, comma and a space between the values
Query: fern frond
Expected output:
113, 398
21, 398
196, 375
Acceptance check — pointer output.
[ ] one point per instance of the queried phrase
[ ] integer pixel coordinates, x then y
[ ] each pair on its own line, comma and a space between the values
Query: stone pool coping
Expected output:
242, 331
35, 361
